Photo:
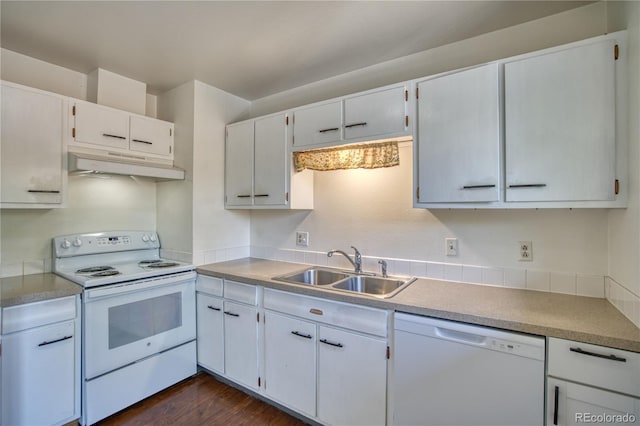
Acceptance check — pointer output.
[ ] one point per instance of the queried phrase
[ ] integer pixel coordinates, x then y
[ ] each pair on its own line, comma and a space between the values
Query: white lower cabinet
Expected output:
210, 332
352, 378
40, 364
241, 343
325, 359
591, 384
290, 360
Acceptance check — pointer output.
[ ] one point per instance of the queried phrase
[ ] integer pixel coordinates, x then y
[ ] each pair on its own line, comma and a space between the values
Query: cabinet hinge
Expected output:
73, 110
258, 381
73, 132
406, 121
258, 317
617, 186
293, 140
417, 92
406, 95
286, 120
418, 193
616, 52
169, 149
170, 131
388, 352
286, 196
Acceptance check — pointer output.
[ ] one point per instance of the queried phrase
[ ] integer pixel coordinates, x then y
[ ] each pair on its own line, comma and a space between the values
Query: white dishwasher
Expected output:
449, 373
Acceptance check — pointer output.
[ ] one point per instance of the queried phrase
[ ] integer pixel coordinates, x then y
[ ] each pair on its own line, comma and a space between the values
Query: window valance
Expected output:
365, 156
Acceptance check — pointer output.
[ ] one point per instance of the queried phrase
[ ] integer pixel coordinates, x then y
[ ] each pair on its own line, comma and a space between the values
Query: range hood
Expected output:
112, 164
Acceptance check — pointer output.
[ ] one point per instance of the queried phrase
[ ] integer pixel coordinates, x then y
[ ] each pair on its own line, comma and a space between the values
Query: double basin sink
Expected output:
382, 287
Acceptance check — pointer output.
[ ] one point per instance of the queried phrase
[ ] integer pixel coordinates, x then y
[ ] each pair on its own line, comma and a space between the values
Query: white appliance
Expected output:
138, 317
449, 373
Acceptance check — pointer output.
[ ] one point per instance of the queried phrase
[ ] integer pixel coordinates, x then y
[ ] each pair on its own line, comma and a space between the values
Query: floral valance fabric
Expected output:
364, 156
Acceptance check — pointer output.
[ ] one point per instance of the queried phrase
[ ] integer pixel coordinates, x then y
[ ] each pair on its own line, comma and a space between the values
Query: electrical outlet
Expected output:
302, 239
526, 251
451, 246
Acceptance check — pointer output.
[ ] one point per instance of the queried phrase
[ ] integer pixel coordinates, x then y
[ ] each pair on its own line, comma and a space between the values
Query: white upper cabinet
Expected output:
458, 144
376, 114
270, 160
319, 124
258, 167
151, 136
122, 133
32, 151
99, 125
560, 134
239, 164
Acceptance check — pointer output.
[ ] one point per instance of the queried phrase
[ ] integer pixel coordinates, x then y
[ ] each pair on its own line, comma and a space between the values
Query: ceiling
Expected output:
249, 48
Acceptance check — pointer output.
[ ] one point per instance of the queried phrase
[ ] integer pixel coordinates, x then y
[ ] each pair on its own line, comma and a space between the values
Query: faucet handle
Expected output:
383, 266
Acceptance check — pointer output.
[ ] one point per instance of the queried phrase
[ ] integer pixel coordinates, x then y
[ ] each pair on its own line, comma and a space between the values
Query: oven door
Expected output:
124, 323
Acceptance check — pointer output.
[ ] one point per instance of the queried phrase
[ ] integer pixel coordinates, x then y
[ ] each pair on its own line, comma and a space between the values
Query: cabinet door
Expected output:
270, 165
290, 362
241, 343
31, 147
317, 125
39, 375
573, 404
459, 137
377, 114
102, 126
352, 377
151, 136
210, 332
560, 125
239, 164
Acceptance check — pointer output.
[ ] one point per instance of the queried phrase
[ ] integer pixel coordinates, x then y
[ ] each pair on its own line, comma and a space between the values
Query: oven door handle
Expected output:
134, 286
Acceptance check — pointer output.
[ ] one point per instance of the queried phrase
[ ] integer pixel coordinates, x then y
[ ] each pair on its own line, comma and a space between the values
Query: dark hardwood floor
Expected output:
201, 400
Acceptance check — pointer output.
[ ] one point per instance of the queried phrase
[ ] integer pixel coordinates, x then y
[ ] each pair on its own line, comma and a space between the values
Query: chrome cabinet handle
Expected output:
51, 342
306, 336
141, 141
478, 186
211, 307
556, 397
326, 342
108, 135
610, 357
347, 126
43, 191
231, 314
529, 185
332, 129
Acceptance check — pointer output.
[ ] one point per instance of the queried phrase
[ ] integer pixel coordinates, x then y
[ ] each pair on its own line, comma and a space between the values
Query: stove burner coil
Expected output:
149, 262
162, 265
93, 269
106, 273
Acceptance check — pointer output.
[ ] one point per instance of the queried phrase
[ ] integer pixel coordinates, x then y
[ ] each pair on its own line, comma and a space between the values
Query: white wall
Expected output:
218, 234
372, 210
623, 286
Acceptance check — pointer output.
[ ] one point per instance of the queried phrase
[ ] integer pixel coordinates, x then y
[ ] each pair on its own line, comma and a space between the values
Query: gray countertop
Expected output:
584, 319
34, 288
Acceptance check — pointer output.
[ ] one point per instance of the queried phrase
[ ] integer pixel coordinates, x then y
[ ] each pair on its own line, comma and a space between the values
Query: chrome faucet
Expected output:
357, 265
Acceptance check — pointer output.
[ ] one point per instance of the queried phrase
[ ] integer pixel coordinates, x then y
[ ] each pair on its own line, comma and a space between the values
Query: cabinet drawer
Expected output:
360, 318
581, 362
209, 285
245, 293
22, 317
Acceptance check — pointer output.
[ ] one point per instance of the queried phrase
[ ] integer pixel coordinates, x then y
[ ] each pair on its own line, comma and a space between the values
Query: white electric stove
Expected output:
138, 317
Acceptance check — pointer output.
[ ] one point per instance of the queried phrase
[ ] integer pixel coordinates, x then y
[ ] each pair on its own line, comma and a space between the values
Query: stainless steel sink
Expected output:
374, 286
313, 276
344, 281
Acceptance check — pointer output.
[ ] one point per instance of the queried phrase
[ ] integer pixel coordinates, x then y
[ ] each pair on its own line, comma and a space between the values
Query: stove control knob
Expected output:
153, 238
145, 238
65, 244
77, 242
